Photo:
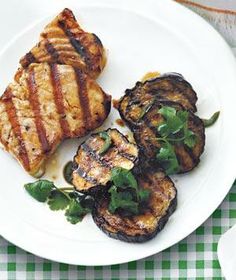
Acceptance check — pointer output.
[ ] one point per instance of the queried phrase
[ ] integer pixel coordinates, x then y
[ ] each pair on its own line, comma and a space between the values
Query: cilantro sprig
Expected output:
125, 194
76, 206
173, 130
105, 136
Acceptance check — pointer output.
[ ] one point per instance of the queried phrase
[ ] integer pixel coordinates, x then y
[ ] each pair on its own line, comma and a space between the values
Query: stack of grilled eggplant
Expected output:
92, 169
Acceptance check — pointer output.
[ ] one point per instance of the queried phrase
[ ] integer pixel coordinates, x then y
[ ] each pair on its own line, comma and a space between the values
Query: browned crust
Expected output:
33, 98
52, 51
58, 98
13, 119
83, 97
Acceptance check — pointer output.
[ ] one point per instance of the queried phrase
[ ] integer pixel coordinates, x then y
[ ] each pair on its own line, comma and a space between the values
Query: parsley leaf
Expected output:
123, 200
58, 200
40, 189
105, 136
123, 178
76, 212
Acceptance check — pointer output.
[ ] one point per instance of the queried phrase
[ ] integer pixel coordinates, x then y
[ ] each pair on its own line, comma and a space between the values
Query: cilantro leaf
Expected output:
167, 158
173, 130
76, 212
190, 139
58, 200
143, 195
122, 200
167, 112
123, 178
40, 189
105, 136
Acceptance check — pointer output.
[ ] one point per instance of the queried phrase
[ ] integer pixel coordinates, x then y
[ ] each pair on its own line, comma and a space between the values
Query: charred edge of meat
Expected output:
100, 189
130, 94
197, 122
138, 238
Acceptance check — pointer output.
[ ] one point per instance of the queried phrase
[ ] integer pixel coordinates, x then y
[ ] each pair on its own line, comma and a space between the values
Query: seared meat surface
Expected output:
63, 41
146, 134
93, 168
172, 87
144, 226
44, 105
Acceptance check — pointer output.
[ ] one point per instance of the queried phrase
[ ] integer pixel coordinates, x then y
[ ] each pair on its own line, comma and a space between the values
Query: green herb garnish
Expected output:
173, 130
67, 172
125, 194
167, 158
105, 136
212, 120
123, 200
67, 199
58, 200
76, 211
40, 189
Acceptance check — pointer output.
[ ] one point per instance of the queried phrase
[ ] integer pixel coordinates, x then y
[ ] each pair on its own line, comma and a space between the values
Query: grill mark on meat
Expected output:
52, 51
58, 99
78, 46
83, 97
12, 116
28, 59
86, 148
85, 176
33, 98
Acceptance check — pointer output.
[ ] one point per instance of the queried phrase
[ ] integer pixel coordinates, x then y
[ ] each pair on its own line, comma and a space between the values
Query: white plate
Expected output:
140, 36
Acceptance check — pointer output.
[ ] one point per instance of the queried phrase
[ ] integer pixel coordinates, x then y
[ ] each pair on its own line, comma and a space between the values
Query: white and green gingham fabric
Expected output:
194, 257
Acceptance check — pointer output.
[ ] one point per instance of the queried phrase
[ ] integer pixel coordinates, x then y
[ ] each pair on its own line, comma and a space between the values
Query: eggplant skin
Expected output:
145, 134
92, 170
162, 203
170, 86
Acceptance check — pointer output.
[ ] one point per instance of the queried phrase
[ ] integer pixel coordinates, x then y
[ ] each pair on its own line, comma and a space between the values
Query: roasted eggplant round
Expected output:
171, 86
142, 227
97, 156
146, 134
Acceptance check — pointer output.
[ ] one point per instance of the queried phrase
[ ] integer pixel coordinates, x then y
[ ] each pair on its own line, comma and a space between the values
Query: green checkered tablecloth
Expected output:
193, 258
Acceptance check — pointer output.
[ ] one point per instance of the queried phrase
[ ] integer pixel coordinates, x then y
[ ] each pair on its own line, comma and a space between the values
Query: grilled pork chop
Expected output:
171, 86
142, 227
93, 167
44, 105
64, 42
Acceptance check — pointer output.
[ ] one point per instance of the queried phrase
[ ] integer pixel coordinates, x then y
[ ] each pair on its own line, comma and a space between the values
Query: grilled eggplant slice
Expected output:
43, 106
140, 228
63, 41
92, 167
145, 134
138, 100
